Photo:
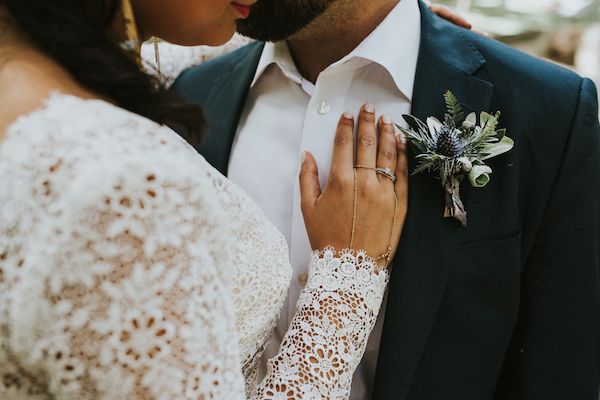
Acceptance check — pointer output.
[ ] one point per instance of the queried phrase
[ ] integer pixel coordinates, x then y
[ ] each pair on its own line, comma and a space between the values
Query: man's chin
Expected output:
276, 20
256, 31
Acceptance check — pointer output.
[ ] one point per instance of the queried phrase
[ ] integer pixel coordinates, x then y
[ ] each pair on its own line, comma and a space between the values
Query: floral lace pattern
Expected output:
328, 334
131, 269
114, 264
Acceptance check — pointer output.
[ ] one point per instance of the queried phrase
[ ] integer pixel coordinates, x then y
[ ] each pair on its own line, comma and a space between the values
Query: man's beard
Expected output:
275, 20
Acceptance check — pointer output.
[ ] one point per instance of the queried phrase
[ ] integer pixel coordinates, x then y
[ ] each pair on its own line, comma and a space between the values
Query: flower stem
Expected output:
454, 205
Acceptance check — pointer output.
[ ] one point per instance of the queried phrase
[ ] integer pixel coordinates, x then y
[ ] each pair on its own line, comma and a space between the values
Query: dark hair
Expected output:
75, 34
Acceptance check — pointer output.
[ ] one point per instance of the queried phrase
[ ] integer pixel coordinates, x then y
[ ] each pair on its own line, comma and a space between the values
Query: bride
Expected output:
129, 267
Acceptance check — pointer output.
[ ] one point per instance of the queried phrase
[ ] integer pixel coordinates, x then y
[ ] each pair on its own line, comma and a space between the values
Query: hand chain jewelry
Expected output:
387, 255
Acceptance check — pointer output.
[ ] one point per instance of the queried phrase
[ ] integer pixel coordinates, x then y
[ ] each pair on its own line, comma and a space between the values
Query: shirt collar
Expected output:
394, 45
277, 54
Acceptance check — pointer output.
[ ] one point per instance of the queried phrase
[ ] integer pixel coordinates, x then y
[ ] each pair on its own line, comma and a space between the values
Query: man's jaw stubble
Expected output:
276, 20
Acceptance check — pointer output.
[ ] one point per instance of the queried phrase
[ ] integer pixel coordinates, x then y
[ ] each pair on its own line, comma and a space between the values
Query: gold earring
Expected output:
132, 42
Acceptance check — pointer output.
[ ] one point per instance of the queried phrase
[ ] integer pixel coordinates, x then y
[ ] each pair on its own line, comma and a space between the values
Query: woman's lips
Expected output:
243, 10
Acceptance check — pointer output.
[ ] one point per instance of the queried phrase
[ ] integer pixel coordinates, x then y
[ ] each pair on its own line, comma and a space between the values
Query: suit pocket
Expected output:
488, 254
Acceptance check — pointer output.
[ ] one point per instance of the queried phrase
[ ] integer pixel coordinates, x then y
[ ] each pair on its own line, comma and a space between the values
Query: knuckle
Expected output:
380, 197
367, 140
341, 180
368, 188
343, 139
388, 154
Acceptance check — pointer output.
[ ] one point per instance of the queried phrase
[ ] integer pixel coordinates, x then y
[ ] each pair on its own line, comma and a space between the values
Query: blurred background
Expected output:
566, 32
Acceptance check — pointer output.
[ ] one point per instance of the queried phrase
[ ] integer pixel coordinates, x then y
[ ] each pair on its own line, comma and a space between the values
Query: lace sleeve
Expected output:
328, 335
124, 298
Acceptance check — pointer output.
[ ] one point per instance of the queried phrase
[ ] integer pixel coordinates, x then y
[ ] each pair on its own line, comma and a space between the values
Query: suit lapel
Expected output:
447, 61
224, 105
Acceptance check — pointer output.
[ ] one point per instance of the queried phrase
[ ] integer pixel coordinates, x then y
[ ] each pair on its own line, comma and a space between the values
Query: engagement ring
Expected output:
387, 172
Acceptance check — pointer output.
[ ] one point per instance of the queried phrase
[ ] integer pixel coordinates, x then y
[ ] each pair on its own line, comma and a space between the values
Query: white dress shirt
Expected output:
285, 115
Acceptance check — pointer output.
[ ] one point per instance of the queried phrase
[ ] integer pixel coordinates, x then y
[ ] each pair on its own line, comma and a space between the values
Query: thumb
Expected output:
310, 189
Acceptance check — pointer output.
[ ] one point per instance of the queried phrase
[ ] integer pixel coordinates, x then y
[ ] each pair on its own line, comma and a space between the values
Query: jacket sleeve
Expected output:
555, 348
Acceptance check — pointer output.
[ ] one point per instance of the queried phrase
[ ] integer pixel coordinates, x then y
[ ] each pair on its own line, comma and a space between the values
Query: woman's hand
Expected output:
360, 198
449, 15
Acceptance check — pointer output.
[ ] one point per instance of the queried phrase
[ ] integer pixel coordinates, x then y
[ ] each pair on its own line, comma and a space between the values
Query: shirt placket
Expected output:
318, 131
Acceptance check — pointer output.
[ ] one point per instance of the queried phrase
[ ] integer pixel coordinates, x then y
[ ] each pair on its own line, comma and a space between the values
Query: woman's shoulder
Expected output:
92, 131
77, 150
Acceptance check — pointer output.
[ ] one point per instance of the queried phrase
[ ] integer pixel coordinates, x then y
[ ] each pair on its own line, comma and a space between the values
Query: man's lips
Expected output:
243, 10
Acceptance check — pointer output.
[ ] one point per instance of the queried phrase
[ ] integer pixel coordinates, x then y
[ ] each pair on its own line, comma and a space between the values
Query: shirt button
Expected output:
324, 108
303, 279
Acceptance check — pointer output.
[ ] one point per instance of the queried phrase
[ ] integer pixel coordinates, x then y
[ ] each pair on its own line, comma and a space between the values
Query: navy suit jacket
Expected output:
509, 307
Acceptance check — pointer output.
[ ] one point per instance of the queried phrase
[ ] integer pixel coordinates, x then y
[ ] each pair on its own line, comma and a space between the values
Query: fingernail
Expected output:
386, 119
370, 108
303, 157
348, 115
402, 137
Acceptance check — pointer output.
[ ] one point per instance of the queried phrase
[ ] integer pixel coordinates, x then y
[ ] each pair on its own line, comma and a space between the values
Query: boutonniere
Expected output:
457, 149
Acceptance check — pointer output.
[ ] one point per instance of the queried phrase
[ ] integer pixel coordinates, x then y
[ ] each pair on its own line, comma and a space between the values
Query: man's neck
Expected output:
336, 33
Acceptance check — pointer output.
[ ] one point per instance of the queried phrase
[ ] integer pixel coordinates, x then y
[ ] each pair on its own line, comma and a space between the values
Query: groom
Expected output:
507, 308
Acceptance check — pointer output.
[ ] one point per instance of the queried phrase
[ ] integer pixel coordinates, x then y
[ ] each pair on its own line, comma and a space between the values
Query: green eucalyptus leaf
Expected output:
503, 146
479, 176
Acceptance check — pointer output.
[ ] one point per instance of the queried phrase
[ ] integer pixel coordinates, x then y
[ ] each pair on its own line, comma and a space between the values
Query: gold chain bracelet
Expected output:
387, 255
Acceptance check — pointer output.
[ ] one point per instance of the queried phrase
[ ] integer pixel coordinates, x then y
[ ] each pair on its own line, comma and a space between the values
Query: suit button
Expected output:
303, 279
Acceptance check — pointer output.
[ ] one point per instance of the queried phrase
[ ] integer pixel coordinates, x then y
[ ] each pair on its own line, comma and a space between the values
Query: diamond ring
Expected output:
387, 172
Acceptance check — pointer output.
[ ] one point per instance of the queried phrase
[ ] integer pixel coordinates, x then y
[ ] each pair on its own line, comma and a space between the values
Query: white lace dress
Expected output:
131, 269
